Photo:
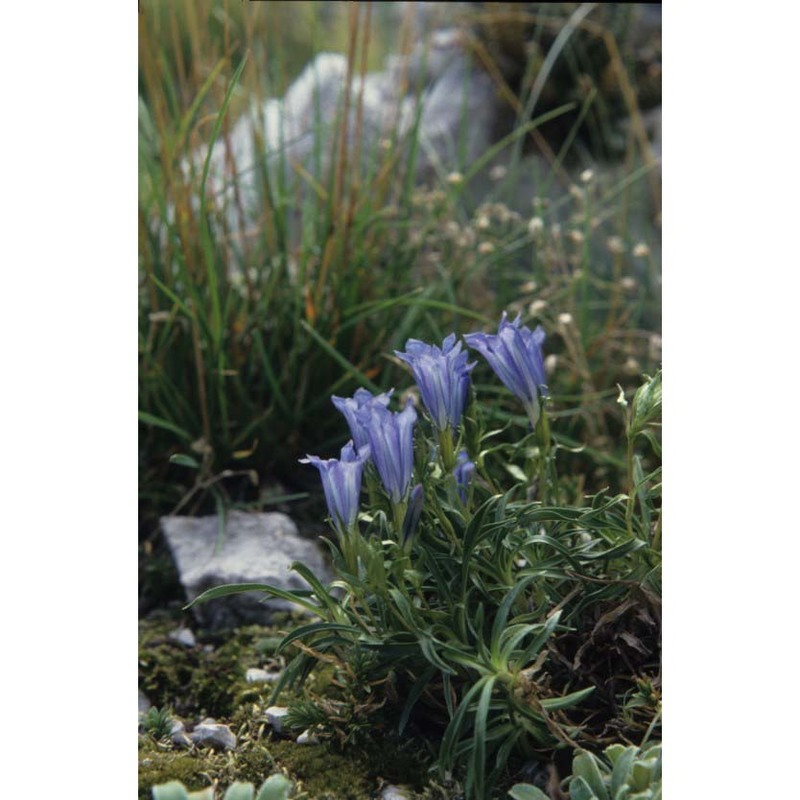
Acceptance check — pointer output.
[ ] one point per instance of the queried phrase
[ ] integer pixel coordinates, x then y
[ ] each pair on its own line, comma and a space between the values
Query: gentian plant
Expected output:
450, 587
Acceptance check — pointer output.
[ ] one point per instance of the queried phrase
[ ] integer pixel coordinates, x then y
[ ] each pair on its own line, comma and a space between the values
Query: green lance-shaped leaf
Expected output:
646, 404
299, 596
580, 790
585, 766
476, 775
622, 767
314, 627
555, 703
526, 791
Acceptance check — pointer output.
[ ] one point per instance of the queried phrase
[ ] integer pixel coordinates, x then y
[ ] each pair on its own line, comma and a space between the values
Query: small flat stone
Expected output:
307, 737
254, 675
210, 733
144, 703
276, 716
178, 735
392, 792
183, 636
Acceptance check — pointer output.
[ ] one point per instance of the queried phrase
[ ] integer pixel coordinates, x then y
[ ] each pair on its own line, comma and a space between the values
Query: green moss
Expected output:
157, 765
195, 683
354, 774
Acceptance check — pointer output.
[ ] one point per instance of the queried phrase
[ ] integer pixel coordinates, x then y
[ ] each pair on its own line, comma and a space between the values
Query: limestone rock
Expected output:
255, 548
276, 716
210, 733
307, 737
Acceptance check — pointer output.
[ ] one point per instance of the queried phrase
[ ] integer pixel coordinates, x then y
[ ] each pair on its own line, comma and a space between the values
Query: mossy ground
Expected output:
210, 681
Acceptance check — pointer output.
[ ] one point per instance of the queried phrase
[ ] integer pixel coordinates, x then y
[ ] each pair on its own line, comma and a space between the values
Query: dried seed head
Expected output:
498, 172
565, 319
528, 287
615, 245
482, 223
536, 307
576, 192
452, 228
535, 226
628, 283
654, 347
550, 363
641, 250
576, 236
587, 175
631, 366
485, 247
455, 178
467, 238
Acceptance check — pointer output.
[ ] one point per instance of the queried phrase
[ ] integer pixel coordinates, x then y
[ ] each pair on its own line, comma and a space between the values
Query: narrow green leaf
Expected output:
151, 419
296, 596
553, 703
502, 615
447, 750
184, 461
340, 359
312, 628
479, 739
413, 695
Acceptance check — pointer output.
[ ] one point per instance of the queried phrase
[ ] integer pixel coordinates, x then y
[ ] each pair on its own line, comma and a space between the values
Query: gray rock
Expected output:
183, 636
144, 704
391, 792
254, 675
210, 733
307, 737
438, 80
178, 734
255, 548
276, 716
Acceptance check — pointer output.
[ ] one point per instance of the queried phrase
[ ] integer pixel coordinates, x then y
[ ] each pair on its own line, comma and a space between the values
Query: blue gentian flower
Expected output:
391, 444
464, 470
341, 482
442, 377
515, 355
349, 406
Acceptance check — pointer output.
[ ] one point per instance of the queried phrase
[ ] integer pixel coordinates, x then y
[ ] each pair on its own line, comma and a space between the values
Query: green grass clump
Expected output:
249, 322
244, 334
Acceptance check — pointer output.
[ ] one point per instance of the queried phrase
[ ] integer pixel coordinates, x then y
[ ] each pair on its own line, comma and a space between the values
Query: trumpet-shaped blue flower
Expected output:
341, 482
464, 470
442, 376
391, 444
349, 406
515, 355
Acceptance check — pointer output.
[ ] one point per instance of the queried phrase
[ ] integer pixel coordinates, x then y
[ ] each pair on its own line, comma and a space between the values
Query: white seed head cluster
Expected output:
535, 226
